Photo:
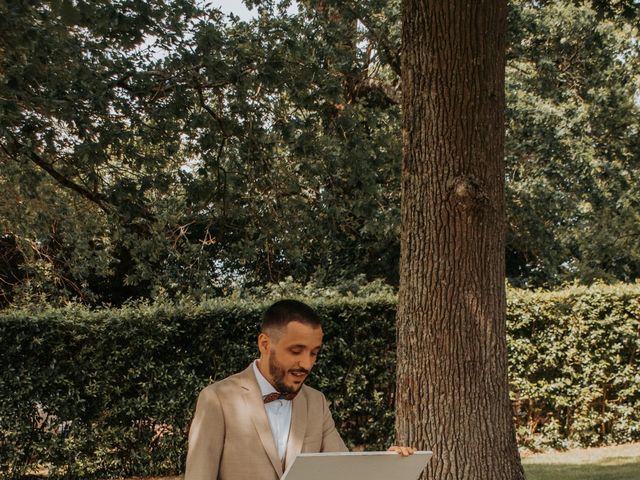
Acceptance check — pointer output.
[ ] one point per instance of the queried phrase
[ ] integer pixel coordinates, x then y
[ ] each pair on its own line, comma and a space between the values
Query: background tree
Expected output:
163, 149
85, 160
452, 392
203, 155
572, 144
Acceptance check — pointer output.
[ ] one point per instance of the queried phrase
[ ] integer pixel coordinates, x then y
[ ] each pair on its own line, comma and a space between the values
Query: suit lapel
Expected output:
298, 427
255, 407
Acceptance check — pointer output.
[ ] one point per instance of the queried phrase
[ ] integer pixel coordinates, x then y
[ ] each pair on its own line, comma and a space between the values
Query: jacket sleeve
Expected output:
206, 438
331, 440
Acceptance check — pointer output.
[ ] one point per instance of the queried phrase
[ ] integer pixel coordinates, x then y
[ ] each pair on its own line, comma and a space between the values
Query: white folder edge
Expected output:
418, 462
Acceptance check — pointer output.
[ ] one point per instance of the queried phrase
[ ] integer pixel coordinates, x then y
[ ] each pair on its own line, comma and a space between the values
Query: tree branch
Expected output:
393, 56
95, 197
225, 133
364, 86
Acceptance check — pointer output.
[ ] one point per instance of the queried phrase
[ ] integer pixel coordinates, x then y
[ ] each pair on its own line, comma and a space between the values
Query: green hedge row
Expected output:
574, 365
111, 392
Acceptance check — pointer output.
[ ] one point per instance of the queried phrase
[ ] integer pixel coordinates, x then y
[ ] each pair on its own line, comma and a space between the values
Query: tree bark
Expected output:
452, 391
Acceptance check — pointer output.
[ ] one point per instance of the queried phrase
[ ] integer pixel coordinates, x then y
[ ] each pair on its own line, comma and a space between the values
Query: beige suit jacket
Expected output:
230, 437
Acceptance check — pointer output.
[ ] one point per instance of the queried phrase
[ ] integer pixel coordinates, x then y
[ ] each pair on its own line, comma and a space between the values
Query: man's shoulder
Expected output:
313, 395
227, 384
311, 391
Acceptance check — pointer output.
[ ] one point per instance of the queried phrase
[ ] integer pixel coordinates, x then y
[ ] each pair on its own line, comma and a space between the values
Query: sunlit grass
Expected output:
614, 468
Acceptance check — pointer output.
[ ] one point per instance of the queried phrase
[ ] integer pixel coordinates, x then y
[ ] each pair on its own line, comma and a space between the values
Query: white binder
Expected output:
357, 466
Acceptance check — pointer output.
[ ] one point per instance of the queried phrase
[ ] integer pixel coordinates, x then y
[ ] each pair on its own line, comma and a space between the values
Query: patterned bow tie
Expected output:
272, 397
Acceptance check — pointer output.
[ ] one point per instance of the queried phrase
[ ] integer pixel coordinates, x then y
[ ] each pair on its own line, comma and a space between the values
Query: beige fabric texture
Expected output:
230, 437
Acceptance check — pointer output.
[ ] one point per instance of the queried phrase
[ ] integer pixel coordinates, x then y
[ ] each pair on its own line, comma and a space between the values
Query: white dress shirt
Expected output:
278, 413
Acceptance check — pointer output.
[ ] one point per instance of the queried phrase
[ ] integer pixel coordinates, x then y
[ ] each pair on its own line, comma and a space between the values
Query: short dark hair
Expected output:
278, 315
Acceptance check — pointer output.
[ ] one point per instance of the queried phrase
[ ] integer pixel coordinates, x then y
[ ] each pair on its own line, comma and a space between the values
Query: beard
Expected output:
278, 373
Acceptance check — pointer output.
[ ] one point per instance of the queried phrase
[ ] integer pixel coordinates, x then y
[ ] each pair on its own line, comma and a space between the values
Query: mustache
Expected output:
300, 370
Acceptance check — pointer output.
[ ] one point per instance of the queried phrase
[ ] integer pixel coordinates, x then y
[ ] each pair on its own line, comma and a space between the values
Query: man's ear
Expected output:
264, 342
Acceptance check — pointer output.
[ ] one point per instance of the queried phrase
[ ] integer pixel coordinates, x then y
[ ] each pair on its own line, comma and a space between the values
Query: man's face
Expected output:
288, 357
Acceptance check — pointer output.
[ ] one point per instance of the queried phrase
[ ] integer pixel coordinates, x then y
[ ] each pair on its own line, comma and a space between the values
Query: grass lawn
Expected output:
608, 463
624, 470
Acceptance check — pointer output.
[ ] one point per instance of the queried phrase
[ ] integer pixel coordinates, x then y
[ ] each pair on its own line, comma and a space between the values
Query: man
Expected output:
251, 425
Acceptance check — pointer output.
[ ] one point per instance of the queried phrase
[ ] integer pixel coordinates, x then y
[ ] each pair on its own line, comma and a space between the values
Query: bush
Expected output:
111, 392
574, 369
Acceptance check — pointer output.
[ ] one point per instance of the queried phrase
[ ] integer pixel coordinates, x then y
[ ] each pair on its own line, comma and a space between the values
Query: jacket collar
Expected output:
255, 406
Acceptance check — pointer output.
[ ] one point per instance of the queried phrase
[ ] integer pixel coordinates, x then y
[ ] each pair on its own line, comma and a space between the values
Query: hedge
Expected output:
110, 393
574, 367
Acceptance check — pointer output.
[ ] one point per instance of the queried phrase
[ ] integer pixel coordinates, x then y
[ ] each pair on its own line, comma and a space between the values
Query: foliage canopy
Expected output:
161, 148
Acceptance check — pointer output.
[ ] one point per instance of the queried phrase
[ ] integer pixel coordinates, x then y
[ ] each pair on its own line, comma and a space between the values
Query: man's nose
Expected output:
307, 362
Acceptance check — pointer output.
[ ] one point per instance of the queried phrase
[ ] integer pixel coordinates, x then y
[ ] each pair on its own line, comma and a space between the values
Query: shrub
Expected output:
107, 393
574, 369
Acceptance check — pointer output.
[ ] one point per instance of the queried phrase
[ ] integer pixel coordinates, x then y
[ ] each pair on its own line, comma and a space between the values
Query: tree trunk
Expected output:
452, 389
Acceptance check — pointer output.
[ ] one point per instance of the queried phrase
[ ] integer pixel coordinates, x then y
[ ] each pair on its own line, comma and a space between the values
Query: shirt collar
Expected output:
265, 387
